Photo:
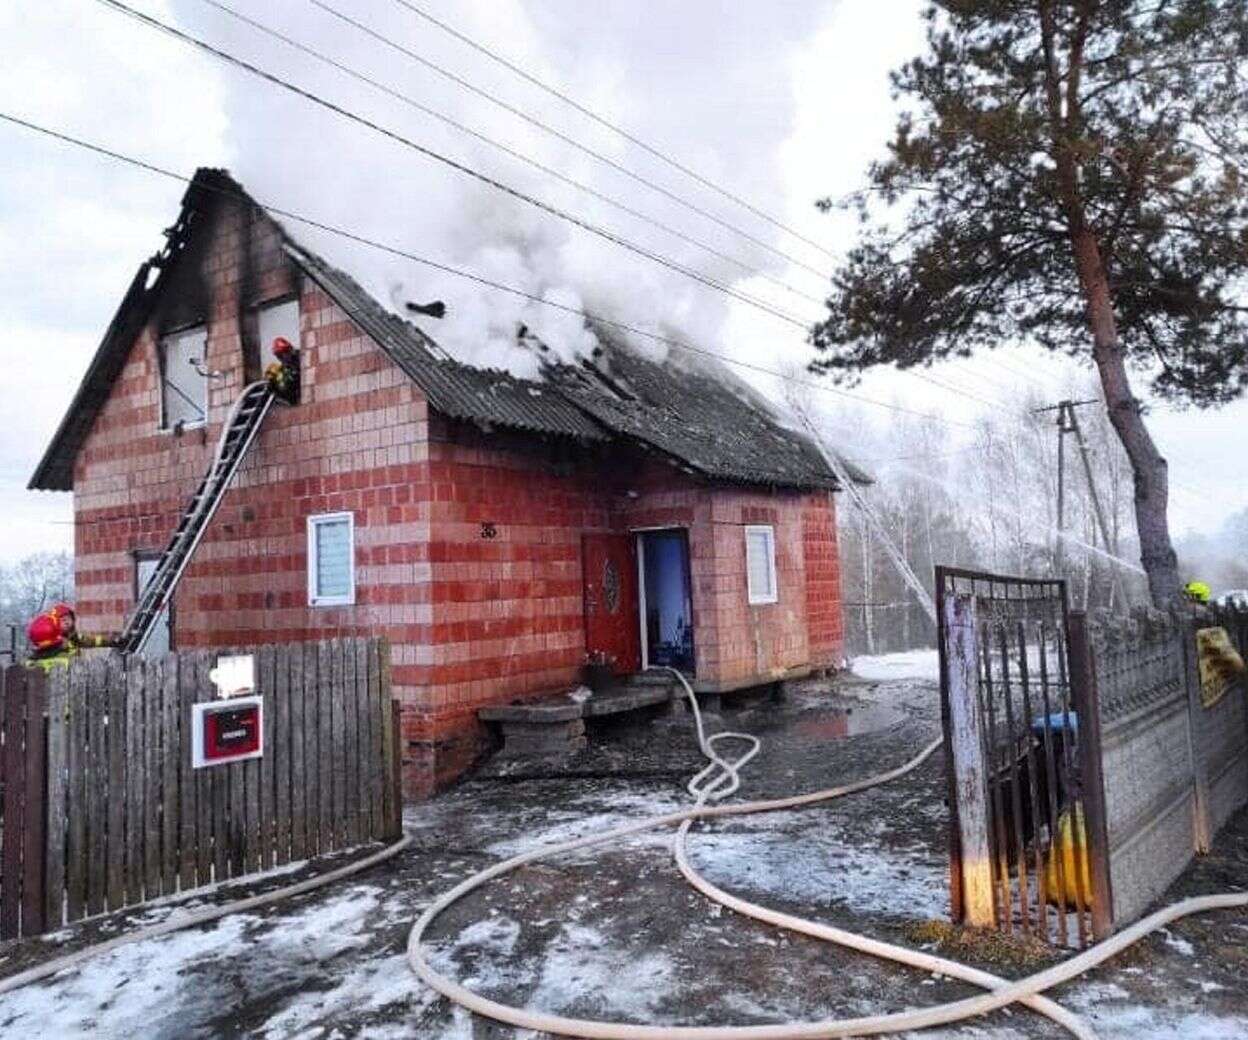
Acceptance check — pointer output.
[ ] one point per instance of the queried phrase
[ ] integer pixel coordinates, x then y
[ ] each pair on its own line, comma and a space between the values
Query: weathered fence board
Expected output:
188, 788
296, 786
392, 800
58, 766
329, 756
975, 874
170, 792
14, 695
262, 805
102, 808
372, 727
76, 804
115, 723
134, 789
22, 896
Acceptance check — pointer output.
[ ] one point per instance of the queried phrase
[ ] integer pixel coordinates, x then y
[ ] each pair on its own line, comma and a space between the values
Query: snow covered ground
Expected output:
911, 664
615, 932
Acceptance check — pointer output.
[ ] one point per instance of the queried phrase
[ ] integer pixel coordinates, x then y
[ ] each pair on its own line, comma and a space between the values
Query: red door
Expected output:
609, 564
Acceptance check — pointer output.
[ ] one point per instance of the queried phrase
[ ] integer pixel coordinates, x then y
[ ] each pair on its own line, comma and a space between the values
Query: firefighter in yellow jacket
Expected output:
55, 639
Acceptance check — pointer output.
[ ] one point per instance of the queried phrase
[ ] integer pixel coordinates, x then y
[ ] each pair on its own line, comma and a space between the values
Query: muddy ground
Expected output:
615, 933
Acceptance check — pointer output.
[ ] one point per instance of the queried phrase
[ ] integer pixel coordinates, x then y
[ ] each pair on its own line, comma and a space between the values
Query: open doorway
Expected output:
666, 599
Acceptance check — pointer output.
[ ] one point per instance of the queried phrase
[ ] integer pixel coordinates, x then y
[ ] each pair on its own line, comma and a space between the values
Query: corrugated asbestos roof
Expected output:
456, 390
700, 417
705, 419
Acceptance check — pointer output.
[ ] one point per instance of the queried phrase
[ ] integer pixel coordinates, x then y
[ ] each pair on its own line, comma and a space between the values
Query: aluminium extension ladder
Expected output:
237, 436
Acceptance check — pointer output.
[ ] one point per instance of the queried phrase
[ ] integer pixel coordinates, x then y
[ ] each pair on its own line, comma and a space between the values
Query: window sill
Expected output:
332, 602
763, 602
184, 428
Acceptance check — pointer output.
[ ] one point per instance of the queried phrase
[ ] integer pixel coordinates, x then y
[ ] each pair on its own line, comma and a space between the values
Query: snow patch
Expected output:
1114, 1015
615, 810
1178, 943
332, 927
582, 968
124, 993
912, 664
146, 988
370, 986
815, 868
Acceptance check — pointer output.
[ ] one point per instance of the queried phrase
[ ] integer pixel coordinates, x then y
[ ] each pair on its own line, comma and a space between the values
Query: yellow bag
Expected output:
1073, 888
1220, 664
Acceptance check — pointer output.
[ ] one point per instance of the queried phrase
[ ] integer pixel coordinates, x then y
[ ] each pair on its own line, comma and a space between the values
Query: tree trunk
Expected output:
1148, 467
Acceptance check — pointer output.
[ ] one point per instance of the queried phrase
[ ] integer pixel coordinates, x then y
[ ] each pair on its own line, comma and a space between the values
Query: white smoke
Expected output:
289, 153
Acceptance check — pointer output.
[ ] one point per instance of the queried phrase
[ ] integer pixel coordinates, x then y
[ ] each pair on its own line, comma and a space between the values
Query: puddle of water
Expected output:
835, 722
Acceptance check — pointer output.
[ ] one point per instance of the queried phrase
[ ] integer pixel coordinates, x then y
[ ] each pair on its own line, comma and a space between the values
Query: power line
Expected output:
433, 113
467, 275
996, 386
960, 392
606, 234
613, 127
565, 138
454, 164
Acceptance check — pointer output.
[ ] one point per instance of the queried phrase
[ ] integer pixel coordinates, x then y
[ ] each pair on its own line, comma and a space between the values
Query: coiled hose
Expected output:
720, 778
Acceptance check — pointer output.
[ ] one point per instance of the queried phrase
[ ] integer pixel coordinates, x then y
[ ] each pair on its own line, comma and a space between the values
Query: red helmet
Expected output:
282, 346
44, 632
61, 609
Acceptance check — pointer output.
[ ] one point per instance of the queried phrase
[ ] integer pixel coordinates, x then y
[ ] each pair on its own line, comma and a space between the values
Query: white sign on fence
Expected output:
234, 675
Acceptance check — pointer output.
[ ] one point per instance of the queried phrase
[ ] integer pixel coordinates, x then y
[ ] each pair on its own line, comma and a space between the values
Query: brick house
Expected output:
496, 530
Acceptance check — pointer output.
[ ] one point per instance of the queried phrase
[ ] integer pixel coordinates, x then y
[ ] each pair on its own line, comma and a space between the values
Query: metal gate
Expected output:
1017, 768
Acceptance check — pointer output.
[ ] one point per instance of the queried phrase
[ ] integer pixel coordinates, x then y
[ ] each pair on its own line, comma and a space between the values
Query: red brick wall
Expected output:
507, 609
471, 620
358, 441
824, 615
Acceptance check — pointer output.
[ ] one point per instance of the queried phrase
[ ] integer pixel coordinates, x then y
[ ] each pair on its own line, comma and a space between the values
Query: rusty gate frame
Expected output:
1075, 689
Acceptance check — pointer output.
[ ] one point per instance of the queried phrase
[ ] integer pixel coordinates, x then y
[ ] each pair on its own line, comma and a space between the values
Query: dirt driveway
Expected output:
615, 932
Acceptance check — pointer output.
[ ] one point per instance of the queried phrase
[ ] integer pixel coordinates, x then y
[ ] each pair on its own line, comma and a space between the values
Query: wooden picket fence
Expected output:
103, 809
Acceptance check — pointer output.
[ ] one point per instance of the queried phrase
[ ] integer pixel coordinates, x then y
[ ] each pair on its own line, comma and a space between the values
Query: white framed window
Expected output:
760, 563
277, 319
331, 559
160, 642
184, 378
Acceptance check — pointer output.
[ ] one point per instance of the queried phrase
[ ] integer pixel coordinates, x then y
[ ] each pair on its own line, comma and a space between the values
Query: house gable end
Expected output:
168, 292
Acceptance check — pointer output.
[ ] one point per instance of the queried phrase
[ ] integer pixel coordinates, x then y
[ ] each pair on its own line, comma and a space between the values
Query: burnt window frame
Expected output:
163, 424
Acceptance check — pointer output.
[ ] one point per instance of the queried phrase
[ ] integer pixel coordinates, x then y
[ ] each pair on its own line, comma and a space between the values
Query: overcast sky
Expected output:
780, 103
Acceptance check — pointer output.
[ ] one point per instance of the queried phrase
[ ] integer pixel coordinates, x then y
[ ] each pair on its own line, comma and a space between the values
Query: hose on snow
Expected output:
720, 778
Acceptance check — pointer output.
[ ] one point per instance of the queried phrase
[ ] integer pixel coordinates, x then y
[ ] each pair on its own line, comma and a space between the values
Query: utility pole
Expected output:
1068, 422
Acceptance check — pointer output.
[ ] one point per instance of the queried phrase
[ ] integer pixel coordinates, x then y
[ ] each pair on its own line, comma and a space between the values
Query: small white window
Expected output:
278, 319
760, 564
331, 559
184, 378
160, 642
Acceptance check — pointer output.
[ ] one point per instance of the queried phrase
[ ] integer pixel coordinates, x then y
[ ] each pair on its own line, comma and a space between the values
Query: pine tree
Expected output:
1069, 172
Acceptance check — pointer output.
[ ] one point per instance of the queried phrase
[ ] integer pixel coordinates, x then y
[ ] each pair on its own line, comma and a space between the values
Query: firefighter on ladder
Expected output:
283, 374
55, 639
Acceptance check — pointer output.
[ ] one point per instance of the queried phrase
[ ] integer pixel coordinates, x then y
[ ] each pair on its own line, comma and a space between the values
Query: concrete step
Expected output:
611, 702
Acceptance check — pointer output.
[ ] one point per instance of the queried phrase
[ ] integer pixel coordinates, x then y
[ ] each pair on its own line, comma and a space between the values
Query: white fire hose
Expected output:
719, 779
